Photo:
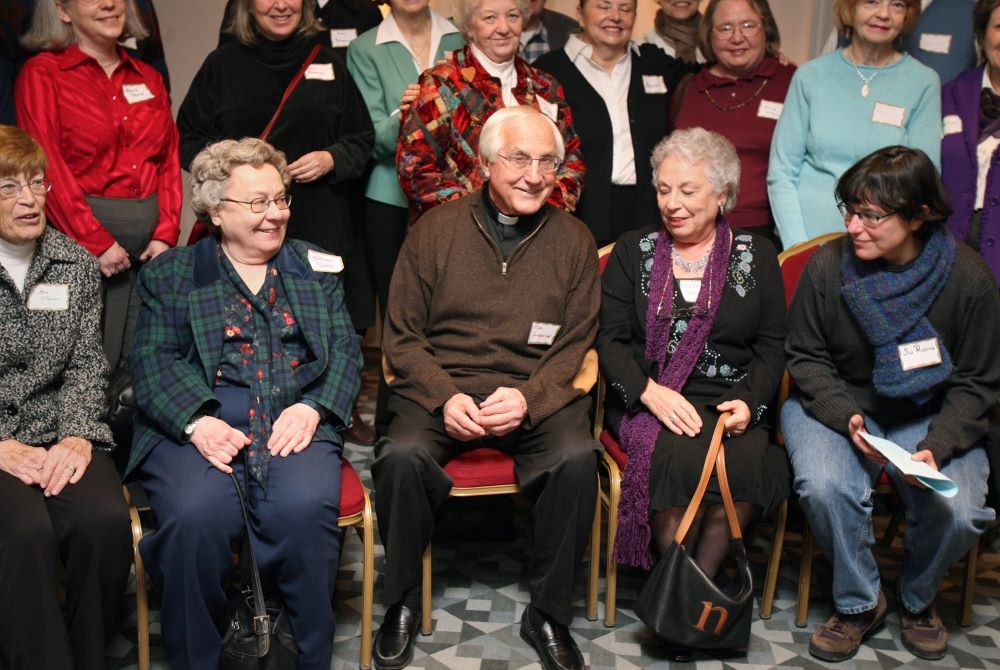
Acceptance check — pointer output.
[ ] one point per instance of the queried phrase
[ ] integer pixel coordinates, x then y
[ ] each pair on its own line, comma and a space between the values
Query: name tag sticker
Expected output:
769, 109
890, 115
137, 93
321, 71
543, 333
549, 109
321, 262
919, 354
322, 3
342, 37
935, 43
690, 289
130, 43
654, 83
952, 124
49, 298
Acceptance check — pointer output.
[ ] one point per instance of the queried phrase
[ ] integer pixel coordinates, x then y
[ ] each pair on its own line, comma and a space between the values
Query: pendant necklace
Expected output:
865, 88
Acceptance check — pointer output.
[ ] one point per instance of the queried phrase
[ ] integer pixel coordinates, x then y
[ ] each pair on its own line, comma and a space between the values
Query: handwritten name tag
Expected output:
935, 43
919, 354
543, 333
952, 124
769, 109
549, 109
342, 37
321, 262
690, 289
137, 93
654, 83
321, 71
890, 115
322, 3
49, 298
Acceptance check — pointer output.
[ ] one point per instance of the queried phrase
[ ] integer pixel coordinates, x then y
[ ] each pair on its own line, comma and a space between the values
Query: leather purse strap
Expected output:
288, 91
261, 619
714, 460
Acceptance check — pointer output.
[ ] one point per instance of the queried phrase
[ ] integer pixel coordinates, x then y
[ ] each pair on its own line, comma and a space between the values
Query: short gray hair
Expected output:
712, 150
49, 33
243, 26
462, 11
491, 135
212, 167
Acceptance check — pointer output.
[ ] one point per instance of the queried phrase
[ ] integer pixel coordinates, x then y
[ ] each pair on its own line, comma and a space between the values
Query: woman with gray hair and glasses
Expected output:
692, 324
245, 361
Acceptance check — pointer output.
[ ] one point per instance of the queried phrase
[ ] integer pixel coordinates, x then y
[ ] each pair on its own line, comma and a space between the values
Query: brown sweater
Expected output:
459, 317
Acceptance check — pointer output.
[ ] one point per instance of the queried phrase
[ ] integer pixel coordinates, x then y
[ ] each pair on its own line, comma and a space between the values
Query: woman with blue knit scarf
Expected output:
890, 332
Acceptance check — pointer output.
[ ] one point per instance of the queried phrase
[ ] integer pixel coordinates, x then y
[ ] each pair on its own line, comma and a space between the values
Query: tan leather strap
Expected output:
288, 91
727, 496
712, 459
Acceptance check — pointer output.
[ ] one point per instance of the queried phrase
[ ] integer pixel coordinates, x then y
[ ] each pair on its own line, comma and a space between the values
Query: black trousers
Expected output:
386, 230
86, 527
555, 464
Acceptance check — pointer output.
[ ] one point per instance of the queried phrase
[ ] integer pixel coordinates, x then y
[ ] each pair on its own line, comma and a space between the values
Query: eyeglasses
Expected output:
868, 218
748, 28
37, 186
260, 205
681, 313
523, 162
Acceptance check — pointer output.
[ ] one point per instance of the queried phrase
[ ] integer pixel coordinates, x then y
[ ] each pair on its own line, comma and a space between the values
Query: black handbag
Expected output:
678, 600
258, 637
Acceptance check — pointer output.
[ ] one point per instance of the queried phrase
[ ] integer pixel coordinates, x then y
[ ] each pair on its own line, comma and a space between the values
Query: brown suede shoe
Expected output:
840, 637
924, 634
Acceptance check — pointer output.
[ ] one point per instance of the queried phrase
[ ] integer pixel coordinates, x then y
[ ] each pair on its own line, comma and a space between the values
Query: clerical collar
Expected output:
495, 213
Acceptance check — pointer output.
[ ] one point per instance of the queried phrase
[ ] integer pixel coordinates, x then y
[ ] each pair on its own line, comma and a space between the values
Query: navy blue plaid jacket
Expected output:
179, 337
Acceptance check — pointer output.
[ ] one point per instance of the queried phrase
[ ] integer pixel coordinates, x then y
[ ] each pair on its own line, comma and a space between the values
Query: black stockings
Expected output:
708, 537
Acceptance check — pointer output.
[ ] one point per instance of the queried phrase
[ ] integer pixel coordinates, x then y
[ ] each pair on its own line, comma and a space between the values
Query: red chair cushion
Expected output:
602, 262
883, 479
613, 449
352, 493
791, 270
481, 467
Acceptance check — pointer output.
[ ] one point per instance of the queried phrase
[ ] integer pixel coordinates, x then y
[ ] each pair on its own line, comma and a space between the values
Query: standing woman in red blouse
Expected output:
104, 120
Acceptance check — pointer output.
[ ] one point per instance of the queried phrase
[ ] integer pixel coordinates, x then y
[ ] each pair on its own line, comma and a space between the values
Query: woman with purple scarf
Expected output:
692, 325
892, 333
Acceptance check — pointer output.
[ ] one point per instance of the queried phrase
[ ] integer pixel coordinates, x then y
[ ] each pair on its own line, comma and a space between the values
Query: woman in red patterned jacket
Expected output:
439, 137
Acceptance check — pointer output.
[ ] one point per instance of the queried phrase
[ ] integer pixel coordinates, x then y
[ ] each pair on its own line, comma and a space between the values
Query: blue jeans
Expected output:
834, 483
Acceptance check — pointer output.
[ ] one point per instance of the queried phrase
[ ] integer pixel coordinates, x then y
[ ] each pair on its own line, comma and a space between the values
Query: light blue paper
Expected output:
903, 460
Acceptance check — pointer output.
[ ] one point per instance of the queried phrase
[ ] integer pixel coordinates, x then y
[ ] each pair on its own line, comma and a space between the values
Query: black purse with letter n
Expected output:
258, 637
678, 600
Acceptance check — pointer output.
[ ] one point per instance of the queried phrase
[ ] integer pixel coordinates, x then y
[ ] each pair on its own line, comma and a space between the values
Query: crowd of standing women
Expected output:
700, 149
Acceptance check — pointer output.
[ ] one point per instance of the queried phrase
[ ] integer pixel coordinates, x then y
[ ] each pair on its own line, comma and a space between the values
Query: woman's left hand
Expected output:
65, 463
311, 166
294, 430
738, 422
153, 249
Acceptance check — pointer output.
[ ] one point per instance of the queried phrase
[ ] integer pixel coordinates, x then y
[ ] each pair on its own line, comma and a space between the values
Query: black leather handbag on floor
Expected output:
678, 600
258, 637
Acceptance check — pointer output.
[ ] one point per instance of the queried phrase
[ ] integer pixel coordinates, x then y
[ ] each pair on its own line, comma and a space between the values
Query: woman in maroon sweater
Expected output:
740, 96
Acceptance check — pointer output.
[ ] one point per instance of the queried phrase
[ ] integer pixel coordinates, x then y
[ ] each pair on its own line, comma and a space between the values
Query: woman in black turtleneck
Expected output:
324, 128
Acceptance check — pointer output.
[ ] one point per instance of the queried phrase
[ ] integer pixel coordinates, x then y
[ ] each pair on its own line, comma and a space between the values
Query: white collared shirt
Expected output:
505, 72
613, 89
388, 31
984, 152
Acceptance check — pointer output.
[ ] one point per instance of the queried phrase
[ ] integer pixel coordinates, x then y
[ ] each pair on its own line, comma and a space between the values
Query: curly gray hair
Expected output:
714, 152
462, 11
212, 167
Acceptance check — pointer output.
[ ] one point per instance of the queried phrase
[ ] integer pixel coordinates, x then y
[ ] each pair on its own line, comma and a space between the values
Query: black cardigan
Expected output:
648, 114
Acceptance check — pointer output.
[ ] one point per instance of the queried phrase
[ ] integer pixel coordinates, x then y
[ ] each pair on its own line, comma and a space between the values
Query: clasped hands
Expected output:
681, 418
52, 469
502, 412
291, 433
857, 422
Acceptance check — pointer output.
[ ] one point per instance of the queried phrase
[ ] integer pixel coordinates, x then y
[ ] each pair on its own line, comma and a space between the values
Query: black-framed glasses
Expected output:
681, 313
869, 219
260, 205
524, 161
748, 28
37, 186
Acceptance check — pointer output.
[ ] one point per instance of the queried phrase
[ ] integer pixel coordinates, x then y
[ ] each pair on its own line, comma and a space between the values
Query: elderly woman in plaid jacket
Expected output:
245, 360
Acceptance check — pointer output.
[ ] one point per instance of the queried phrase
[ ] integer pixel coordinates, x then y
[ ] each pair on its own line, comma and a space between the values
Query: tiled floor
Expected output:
480, 591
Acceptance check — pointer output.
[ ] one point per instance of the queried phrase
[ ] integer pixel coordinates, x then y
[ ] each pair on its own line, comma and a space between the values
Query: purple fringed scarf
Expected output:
640, 429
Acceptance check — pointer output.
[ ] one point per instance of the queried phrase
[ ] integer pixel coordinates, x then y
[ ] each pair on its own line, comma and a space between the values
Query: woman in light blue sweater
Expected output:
843, 106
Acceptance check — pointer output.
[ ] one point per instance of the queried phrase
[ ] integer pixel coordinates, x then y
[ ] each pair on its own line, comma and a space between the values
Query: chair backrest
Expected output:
793, 261
603, 255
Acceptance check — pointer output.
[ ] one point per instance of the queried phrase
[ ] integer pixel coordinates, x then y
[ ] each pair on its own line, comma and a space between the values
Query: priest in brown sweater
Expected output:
493, 305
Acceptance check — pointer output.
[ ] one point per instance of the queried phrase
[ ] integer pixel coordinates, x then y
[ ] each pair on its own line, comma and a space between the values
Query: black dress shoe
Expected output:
552, 641
393, 646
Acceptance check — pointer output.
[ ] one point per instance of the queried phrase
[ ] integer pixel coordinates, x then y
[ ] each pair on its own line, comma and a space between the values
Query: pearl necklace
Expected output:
691, 267
865, 89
